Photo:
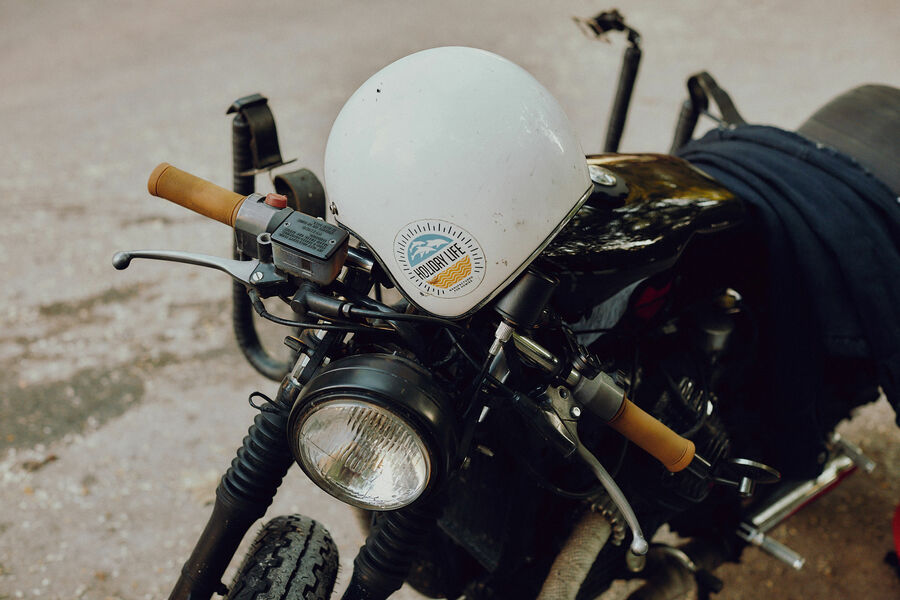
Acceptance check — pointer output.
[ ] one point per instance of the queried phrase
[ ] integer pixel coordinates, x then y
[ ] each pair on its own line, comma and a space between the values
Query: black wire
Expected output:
599, 330
349, 324
452, 353
260, 309
632, 381
548, 485
389, 315
397, 316
465, 354
490, 378
470, 416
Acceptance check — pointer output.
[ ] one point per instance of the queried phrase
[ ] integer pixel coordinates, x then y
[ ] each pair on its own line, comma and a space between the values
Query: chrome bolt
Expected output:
256, 277
601, 176
575, 411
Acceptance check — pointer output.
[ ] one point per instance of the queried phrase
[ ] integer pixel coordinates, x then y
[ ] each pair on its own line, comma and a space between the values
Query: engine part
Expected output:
715, 327
576, 557
674, 574
604, 505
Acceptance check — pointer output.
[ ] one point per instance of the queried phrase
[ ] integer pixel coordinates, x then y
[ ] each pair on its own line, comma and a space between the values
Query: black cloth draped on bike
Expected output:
824, 245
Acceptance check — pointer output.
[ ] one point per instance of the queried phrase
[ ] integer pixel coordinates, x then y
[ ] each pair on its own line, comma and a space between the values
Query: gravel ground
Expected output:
122, 394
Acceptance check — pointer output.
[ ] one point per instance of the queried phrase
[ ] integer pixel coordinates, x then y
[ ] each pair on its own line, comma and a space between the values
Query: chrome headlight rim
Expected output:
390, 383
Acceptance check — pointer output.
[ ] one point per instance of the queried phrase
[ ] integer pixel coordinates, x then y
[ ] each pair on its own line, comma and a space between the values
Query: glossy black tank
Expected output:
638, 224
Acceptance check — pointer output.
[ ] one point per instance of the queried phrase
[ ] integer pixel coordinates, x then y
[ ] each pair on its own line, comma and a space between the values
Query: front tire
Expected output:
292, 558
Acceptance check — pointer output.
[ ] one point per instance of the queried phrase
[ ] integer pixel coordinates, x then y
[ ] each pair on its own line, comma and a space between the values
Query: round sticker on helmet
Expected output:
440, 258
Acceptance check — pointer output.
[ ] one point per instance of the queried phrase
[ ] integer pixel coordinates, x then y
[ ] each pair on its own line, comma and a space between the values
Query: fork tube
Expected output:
244, 493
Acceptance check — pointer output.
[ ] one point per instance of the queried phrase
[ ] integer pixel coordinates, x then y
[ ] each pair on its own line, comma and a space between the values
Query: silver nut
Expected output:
575, 411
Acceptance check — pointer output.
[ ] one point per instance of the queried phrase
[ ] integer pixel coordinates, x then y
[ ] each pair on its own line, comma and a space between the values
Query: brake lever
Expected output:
557, 420
253, 273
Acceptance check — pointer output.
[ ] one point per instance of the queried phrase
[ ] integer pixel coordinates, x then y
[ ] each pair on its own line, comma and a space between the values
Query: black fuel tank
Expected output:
637, 222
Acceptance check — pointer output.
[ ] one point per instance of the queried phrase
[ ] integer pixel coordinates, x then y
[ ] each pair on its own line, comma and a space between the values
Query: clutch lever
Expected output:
252, 273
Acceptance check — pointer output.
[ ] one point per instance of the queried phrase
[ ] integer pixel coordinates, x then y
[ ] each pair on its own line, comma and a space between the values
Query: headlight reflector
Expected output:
363, 454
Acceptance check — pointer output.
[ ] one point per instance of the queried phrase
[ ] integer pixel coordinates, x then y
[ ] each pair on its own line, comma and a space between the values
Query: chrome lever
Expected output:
639, 544
249, 272
567, 412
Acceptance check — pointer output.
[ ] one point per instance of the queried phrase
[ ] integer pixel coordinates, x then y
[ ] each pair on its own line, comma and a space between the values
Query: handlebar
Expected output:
194, 193
666, 446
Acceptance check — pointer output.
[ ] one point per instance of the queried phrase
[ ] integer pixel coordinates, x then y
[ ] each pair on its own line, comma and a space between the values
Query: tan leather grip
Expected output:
648, 432
194, 193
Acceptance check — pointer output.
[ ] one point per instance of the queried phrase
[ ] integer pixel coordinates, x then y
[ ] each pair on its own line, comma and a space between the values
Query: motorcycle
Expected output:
516, 362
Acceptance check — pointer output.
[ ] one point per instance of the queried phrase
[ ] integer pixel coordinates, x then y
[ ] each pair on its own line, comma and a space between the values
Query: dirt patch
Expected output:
149, 220
79, 307
43, 412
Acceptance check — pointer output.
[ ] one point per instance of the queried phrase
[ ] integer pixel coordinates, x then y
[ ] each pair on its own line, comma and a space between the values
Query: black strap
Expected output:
264, 137
702, 87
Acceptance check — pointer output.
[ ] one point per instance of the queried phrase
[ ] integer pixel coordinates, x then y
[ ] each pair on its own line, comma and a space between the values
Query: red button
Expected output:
276, 200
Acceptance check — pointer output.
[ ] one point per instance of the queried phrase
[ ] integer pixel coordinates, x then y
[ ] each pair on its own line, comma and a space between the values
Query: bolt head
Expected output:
601, 176
575, 412
257, 276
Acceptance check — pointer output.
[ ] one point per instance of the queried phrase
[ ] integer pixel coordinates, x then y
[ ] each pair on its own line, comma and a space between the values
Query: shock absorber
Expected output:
384, 561
244, 493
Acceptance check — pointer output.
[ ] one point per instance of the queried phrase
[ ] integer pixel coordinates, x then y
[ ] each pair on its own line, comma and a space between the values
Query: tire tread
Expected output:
292, 558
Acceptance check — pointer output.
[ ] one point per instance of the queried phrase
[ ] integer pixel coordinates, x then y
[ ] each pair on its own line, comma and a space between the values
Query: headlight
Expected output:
372, 430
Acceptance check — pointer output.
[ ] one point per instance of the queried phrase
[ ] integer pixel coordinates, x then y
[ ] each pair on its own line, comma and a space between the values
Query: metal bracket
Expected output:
263, 135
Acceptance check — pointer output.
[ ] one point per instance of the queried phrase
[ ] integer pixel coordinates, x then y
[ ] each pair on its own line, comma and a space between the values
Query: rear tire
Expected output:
292, 558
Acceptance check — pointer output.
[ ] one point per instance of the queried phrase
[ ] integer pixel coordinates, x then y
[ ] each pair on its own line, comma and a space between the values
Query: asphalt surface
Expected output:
122, 394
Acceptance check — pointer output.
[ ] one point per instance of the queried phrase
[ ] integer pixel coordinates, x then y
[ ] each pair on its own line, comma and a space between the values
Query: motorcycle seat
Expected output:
863, 123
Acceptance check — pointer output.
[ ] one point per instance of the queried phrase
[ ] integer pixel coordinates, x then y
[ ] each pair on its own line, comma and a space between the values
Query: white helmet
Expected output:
456, 168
